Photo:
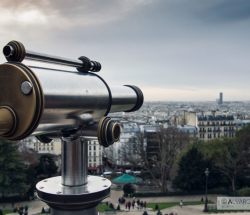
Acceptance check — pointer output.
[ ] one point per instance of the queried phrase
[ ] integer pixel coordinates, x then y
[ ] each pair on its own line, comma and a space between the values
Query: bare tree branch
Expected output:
169, 143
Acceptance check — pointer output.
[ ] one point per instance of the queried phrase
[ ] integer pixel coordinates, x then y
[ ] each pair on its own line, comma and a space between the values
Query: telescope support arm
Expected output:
74, 161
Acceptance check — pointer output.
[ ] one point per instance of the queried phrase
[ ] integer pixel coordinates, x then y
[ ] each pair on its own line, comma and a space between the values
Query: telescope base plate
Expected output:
61, 197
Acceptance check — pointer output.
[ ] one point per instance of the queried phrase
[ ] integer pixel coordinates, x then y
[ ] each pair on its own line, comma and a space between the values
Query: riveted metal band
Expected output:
28, 108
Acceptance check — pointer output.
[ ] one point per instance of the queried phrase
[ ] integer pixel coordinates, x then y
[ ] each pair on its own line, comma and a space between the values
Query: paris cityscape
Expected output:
136, 107
201, 122
185, 116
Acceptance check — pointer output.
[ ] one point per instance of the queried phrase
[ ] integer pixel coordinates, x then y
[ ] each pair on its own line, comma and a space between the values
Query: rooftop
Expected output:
215, 117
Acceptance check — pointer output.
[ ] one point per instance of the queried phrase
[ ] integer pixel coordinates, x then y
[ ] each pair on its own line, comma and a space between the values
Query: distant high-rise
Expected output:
220, 100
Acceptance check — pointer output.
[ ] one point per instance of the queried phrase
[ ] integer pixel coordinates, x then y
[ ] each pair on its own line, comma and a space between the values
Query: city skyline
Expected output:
173, 50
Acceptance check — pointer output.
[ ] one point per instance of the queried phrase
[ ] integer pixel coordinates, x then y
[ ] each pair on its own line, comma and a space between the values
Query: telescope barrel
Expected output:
48, 101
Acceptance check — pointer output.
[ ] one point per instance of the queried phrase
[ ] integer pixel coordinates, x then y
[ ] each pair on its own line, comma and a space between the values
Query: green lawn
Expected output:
103, 207
162, 205
7, 211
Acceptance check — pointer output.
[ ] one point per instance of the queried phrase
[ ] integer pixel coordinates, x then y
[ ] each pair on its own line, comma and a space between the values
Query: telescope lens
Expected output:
116, 131
7, 51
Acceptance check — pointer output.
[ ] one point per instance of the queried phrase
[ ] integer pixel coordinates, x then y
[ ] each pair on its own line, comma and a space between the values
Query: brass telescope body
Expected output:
7, 120
26, 109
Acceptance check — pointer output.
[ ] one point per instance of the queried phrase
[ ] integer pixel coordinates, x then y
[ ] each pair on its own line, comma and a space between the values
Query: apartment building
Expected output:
54, 147
95, 157
212, 125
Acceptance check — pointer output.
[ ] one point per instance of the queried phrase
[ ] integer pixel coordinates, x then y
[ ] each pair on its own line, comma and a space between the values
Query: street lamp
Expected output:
206, 201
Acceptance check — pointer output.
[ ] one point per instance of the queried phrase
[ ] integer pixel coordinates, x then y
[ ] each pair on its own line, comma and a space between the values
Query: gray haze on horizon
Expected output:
172, 49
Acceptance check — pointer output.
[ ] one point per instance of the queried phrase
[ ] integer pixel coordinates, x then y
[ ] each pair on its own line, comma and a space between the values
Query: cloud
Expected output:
63, 14
25, 17
226, 11
165, 44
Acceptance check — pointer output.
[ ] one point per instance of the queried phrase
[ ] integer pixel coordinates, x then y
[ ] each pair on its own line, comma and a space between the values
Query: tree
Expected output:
30, 158
46, 167
12, 174
231, 157
171, 143
190, 175
128, 189
243, 136
31, 180
134, 152
159, 160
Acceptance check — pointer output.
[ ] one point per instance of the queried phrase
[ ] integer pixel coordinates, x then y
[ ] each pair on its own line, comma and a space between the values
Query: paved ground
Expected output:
115, 194
185, 210
36, 205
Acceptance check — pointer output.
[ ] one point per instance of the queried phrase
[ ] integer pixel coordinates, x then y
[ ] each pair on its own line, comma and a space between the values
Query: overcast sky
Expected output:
172, 49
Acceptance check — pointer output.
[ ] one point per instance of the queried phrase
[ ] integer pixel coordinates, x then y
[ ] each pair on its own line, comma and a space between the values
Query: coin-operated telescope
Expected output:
50, 97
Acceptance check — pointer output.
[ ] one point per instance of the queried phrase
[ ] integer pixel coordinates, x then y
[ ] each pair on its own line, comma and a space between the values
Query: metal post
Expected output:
75, 192
74, 161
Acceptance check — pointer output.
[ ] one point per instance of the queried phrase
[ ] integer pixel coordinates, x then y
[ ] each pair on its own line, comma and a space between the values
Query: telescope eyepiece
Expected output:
95, 66
89, 65
14, 51
8, 51
108, 131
